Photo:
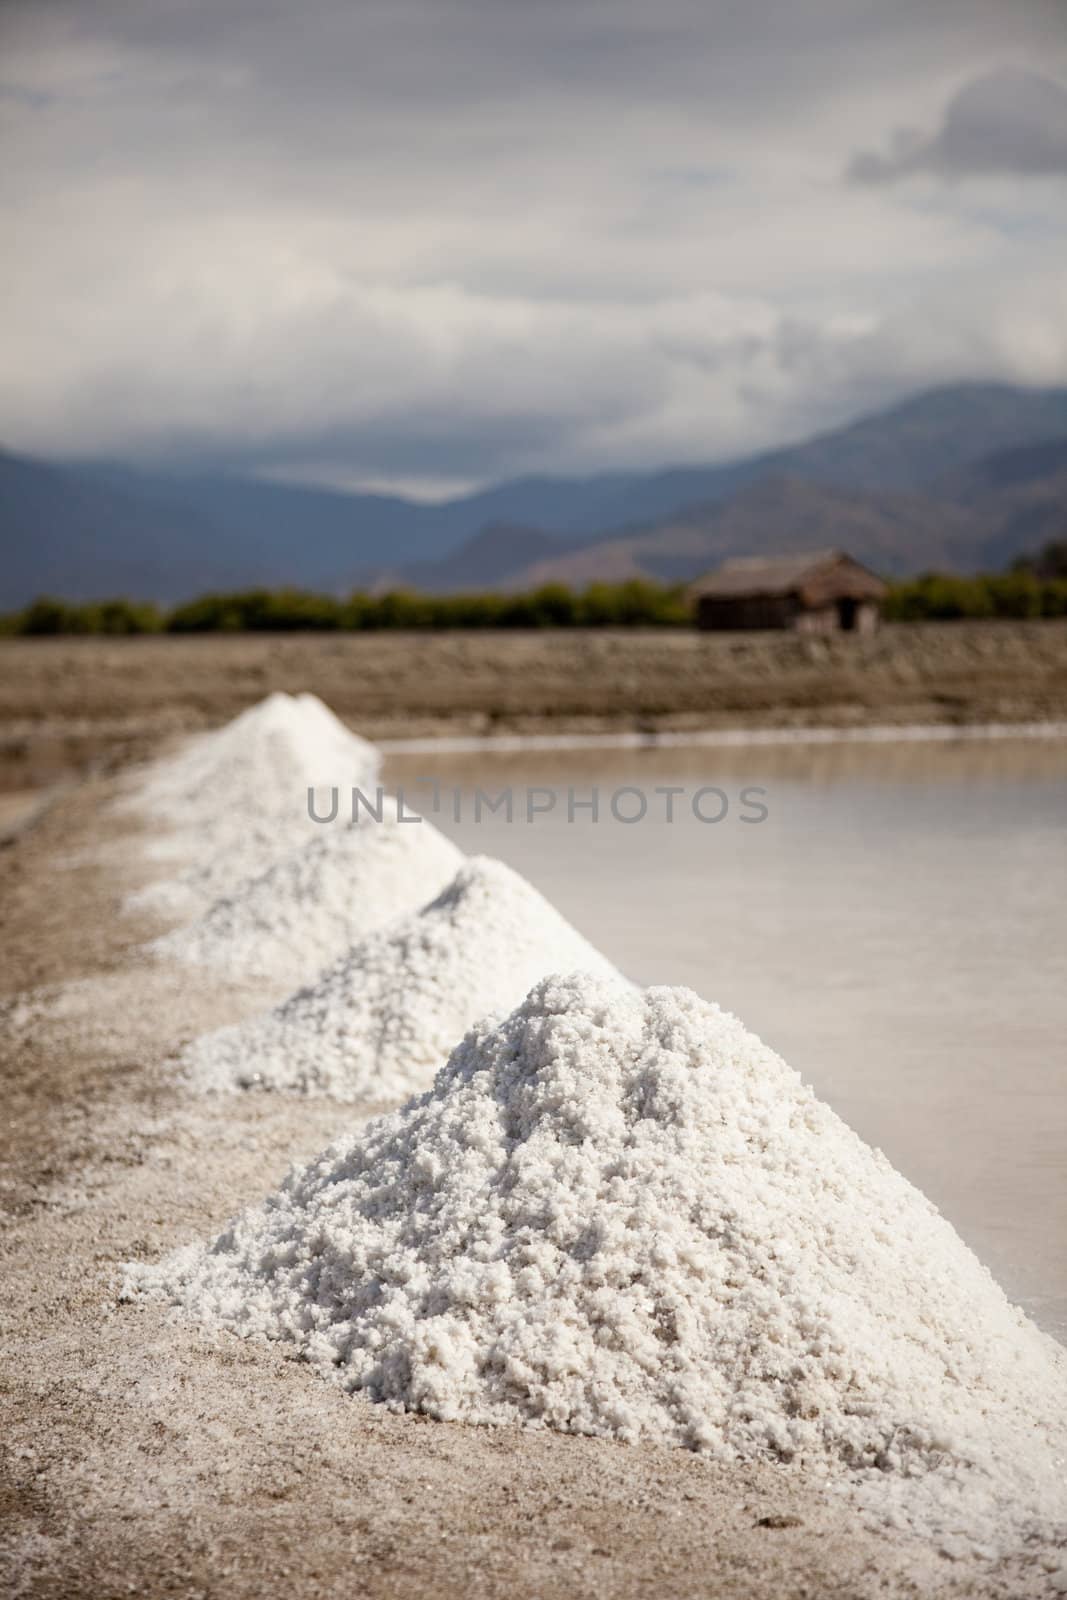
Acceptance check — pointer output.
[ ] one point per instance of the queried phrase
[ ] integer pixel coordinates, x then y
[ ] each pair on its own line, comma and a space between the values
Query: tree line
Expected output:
1034, 587
632, 604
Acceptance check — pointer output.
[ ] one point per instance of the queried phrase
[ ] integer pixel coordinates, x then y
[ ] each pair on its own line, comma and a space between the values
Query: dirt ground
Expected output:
66, 704
141, 1456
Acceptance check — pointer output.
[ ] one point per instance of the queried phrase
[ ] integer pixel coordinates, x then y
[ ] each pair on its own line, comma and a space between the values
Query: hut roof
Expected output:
822, 570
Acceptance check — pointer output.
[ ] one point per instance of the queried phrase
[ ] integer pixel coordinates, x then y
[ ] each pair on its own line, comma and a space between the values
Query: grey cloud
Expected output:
460, 238
1006, 123
422, 444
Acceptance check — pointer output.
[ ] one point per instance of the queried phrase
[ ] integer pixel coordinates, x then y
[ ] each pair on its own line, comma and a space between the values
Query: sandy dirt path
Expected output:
140, 1456
65, 703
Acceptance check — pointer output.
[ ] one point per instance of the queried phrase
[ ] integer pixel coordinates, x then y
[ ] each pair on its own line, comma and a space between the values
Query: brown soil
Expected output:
65, 704
140, 1456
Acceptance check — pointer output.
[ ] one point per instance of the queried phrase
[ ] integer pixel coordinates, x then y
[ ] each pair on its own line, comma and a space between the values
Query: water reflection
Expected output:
896, 928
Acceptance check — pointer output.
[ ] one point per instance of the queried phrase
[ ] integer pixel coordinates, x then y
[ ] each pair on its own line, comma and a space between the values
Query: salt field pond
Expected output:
896, 927
612, 1219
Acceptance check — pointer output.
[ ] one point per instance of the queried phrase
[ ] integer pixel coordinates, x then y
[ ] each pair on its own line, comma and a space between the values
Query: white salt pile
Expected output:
382, 1019
291, 921
250, 761
212, 863
619, 1213
232, 801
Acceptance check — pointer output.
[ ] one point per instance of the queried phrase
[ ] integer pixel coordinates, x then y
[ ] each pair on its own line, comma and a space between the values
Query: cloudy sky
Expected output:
431, 243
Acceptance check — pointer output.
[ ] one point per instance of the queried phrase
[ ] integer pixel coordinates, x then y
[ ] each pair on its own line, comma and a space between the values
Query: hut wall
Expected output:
738, 613
743, 612
822, 619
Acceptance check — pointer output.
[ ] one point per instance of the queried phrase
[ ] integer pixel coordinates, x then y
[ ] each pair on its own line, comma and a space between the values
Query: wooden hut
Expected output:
821, 591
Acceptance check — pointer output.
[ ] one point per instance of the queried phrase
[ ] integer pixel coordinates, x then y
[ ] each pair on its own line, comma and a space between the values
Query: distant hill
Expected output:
1020, 495
482, 562
1002, 506
960, 476
895, 533
89, 532
1006, 470
907, 447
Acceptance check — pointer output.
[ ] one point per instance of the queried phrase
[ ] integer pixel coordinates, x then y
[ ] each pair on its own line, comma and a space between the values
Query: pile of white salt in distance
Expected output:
381, 1020
288, 923
618, 1213
232, 801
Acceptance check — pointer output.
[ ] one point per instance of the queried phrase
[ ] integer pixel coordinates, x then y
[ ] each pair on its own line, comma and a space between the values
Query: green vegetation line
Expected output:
1035, 587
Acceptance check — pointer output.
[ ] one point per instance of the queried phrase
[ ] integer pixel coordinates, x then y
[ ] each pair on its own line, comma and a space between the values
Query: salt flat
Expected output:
139, 1452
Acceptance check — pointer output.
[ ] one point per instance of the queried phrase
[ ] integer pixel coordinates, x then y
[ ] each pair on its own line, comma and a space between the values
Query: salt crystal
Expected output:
232, 801
382, 1019
620, 1214
293, 920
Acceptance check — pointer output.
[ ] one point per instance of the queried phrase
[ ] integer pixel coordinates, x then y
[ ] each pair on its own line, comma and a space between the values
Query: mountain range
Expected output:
962, 477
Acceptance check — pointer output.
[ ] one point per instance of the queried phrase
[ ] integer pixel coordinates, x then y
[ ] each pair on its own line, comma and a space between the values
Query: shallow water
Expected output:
896, 927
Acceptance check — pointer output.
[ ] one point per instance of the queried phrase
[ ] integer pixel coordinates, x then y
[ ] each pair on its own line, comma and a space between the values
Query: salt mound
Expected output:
212, 863
252, 762
306, 910
620, 1214
382, 1019
232, 801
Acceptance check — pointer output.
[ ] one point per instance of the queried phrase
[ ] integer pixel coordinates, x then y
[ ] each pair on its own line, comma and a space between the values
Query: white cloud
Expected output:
425, 244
